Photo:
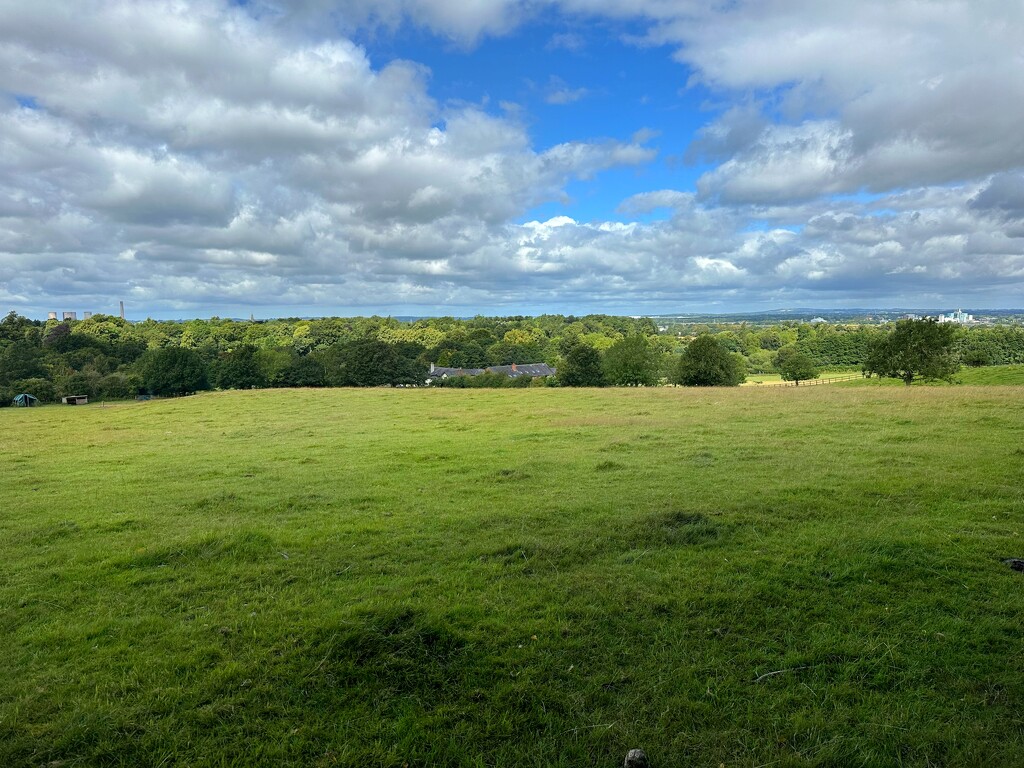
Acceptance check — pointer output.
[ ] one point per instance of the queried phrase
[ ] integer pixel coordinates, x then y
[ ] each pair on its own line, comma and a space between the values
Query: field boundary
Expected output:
810, 382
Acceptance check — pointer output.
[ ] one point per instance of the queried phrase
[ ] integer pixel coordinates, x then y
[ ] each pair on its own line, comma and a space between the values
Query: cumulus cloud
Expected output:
1003, 195
236, 163
185, 154
464, 22
875, 95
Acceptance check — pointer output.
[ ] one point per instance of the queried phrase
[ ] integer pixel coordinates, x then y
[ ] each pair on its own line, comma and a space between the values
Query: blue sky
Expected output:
315, 157
568, 81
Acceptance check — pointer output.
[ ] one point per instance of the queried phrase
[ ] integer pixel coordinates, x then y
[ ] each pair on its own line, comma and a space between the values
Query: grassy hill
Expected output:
548, 577
993, 375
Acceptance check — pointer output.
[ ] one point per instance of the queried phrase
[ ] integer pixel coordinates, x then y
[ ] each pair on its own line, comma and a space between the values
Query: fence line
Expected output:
811, 382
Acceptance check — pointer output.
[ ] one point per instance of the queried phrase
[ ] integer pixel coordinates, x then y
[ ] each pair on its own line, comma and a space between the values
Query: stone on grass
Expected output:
636, 758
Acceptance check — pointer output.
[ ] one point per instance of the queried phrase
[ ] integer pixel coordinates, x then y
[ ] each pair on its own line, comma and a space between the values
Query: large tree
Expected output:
631, 361
173, 371
581, 368
706, 363
239, 369
369, 362
915, 349
795, 365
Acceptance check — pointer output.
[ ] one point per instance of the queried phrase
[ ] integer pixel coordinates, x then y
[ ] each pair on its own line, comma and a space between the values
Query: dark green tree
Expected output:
240, 369
173, 371
370, 362
795, 365
14, 327
41, 389
770, 339
20, 360
915, 349
119, 386
58, 337
706, 363
581, 368
303, 371
631, 361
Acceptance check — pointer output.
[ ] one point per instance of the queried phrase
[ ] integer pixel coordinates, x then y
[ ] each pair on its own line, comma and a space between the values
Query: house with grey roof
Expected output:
441, 372
533, 370
514, 371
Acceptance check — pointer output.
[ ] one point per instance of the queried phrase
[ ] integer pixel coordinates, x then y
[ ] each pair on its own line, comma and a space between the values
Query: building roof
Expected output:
514, 371
439, 371
526, 369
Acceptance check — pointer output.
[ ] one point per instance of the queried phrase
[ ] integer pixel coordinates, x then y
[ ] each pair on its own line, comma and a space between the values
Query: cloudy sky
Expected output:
315, 157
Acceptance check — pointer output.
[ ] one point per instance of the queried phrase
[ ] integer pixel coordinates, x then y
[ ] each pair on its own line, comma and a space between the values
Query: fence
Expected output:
812, 382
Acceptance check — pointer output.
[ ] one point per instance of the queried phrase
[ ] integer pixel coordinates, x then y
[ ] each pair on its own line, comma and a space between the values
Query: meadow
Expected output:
754, 379
534, 577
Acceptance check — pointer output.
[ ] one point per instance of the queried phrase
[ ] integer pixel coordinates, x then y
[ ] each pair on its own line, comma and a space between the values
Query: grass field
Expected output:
993, 375
774, 378
539, 577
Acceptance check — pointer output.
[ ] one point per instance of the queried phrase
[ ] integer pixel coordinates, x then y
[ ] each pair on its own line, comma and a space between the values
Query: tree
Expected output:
706, 363
631, 361
13, 327
581, 368
172, 371
915, 349
20, 360
119, 386
369, 362
302, 371
795, 365
240, 369
517, 346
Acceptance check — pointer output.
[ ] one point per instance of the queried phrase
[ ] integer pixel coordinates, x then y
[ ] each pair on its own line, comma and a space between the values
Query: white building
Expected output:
959, 316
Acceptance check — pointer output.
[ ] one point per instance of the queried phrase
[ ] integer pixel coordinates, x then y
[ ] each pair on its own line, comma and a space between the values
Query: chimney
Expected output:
513, 367
122, 310
431, 367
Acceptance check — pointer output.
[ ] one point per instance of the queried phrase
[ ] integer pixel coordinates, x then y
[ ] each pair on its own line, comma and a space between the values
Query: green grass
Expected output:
785, 577
992, 375
995, 375
776, 378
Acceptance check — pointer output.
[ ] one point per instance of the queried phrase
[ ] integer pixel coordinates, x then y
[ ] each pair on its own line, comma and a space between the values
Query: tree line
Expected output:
107, 357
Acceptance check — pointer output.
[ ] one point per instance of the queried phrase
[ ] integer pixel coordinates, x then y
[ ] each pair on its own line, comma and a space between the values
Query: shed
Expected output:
75, 400
25, 400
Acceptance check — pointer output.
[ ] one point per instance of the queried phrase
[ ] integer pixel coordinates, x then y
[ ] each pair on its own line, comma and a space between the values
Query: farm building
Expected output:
533, 370
514, 371
441, 372
25, 400
75, 400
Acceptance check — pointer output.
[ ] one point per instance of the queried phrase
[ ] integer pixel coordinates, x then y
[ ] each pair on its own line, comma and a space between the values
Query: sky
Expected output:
200, 158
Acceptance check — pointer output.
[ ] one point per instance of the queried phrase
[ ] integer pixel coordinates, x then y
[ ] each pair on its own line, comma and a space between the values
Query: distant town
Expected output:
770, 317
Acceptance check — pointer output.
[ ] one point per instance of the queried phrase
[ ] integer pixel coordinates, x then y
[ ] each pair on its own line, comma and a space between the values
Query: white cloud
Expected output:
876, 94
190, 153
266, 166
559, 92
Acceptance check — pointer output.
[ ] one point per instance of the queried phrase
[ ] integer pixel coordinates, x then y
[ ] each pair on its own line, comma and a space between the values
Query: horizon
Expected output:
412, 317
